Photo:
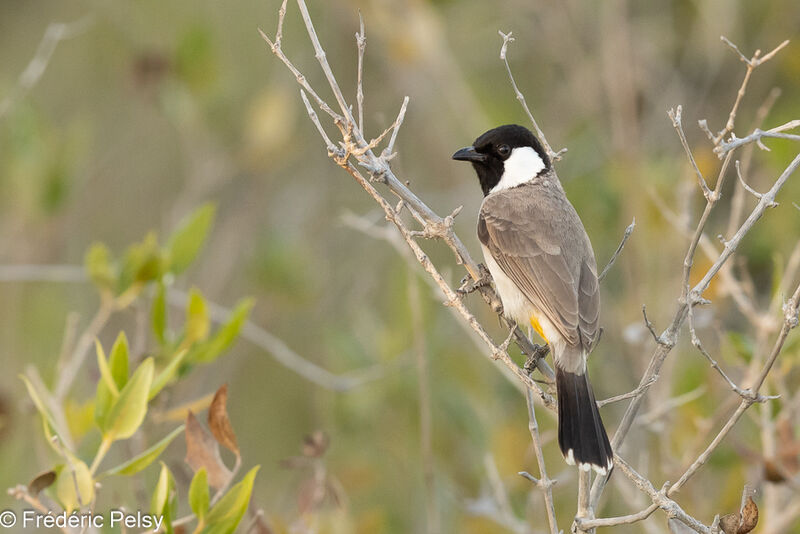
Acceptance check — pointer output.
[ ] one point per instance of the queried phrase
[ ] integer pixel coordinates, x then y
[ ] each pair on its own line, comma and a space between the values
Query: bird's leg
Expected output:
468, 285
539, 352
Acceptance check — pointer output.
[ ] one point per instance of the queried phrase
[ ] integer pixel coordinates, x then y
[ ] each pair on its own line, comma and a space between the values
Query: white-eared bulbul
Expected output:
543, 267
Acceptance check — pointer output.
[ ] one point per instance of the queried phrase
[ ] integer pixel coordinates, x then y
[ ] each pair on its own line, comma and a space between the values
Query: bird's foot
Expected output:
468, 285
539, 352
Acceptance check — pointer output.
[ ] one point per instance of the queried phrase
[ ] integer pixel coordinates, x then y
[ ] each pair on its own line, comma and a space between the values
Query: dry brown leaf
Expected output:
219, 423
749, 517
742, 522
202, 451
41, 482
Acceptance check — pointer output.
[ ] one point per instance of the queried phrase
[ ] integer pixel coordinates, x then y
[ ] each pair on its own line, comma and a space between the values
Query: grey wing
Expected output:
588, 303
536, 246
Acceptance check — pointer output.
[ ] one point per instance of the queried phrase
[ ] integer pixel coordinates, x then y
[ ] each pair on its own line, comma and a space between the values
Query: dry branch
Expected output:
355, 152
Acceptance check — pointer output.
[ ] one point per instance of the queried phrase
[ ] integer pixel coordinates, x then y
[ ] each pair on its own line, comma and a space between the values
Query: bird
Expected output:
543, 267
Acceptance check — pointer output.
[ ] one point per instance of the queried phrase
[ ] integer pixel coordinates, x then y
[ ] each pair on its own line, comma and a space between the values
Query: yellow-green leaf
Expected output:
164, 487
74, 485
105, 370
141, 263
224, 337
139, 462
197, 321
198, 494
187, 241
231, 507
40, 406
167, 373
158, 314
103, 400
129, 409
118, 360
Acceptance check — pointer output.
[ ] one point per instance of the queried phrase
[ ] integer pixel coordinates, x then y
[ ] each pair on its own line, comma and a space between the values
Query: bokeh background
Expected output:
154, 108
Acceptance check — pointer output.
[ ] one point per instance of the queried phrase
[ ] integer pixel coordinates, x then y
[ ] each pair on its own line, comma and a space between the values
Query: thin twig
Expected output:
790, 321
675, 117
508, 39
584, 509
53, 35
699, 346
219, 314
544, 482
751, 63
629, 395
71, 367
756, 137
361, 43
625, 237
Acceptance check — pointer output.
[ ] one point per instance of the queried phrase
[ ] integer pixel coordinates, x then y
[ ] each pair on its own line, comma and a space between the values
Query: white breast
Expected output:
516, 305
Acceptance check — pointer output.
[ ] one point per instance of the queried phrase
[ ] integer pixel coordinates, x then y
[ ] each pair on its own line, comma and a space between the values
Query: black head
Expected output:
490, 151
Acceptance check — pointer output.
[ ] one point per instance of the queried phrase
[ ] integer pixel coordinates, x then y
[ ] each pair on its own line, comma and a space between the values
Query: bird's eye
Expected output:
504, 150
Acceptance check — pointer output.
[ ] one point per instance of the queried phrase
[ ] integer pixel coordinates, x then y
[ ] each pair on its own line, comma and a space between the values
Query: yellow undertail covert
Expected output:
538, 327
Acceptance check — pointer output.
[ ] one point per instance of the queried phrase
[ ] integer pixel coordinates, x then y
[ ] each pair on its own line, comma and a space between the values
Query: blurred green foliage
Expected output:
154, 109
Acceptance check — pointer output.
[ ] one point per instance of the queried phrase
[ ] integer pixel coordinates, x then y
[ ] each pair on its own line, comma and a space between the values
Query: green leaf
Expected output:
118, 360
198, 494
128, 411
197, 321
158, 313
74, 485
40, 406
186, 242
231, 507
139, 462
105, 370
224, 337
164, 487
99, 267
141, 263
103, 400
167, 374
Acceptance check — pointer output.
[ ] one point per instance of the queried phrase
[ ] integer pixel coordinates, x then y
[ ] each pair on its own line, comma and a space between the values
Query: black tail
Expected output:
581, 434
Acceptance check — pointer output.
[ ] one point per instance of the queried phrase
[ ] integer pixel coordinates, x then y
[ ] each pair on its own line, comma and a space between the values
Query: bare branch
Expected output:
629, 395
379, 170
508, 39
361, 43
585, 511
544, 483
388, 153
675, 117
751, 63
315, 119
756, 137
250, 331
699, 346
53, 35
650, 326
747, 187
625, 237
790, 311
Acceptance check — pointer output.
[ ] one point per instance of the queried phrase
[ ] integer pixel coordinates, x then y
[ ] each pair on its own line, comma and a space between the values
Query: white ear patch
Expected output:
522, 166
